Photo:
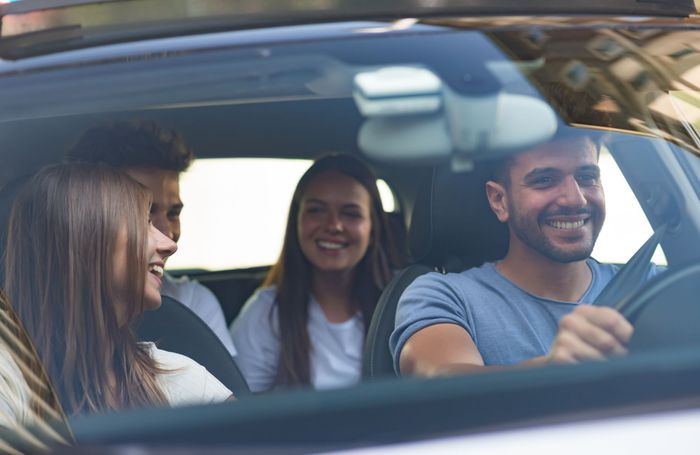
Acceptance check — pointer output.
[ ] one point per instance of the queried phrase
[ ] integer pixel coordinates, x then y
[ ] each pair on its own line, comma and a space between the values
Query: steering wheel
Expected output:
665, 311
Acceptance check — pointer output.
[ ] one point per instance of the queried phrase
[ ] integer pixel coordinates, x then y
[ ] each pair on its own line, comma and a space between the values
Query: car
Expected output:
429, 93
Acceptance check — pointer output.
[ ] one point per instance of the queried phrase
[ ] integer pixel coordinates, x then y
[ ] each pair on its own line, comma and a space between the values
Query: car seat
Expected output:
452, 229
174, 327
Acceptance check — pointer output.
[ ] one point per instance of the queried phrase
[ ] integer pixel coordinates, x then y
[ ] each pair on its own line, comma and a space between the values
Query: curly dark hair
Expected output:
133, 144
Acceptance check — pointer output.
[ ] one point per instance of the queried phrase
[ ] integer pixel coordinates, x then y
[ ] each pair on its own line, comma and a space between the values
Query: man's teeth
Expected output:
567, 224
156, 270
330, 245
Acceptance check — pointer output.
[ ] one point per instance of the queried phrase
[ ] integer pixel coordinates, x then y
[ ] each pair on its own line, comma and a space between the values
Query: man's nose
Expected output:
166, 247
571, 194
161, 223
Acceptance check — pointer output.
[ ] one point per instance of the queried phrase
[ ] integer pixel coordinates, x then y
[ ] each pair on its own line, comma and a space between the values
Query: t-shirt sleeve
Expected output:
655, 270
430, 299
256, 338
213, 390
186, 382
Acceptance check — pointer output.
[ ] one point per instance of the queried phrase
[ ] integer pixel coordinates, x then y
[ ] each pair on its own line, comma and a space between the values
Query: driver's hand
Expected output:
590, 333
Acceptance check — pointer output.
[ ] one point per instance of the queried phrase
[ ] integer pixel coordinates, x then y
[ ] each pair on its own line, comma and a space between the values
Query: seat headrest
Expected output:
452, 226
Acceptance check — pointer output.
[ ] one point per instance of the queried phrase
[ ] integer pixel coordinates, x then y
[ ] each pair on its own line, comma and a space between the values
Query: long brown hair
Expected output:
292, 272
59, 274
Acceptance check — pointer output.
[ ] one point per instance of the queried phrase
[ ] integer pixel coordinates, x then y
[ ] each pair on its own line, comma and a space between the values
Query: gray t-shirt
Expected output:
508, 324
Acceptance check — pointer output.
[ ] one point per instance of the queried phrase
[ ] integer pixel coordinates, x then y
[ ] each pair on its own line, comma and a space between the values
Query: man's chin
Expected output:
569, 256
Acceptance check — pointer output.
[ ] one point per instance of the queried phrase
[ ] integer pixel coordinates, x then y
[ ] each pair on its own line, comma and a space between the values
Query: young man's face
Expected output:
554, 203
166, 207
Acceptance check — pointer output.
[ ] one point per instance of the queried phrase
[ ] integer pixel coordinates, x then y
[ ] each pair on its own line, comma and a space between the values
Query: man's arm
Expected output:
438, 350
587, 333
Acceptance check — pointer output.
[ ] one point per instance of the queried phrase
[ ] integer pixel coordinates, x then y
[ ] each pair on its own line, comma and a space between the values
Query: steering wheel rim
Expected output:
665, 311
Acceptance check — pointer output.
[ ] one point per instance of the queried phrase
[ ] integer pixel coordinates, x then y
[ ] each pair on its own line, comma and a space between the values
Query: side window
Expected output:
626, 227
236, 211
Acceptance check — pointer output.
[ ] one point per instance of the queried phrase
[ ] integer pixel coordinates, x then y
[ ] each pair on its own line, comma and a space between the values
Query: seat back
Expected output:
174, 327
376, 359
452, 229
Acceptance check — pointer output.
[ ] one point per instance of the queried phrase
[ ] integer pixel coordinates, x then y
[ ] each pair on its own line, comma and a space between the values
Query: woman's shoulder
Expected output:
170, 360
267, 293
261, 302
184, 381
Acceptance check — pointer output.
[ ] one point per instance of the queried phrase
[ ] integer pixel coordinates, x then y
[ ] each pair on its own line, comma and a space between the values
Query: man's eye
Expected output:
587, 179
543, 181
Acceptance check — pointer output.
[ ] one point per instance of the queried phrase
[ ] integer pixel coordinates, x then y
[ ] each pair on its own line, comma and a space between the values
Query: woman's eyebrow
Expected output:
312, 200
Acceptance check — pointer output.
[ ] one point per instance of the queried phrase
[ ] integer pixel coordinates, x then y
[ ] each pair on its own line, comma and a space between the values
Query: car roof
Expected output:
34, 27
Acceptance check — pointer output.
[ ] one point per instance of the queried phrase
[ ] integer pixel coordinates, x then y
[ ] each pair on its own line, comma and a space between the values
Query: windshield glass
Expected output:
288, 225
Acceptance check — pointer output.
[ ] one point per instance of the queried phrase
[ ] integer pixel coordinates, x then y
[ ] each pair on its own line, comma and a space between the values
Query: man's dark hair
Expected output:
133, 144
499, 169
573, 107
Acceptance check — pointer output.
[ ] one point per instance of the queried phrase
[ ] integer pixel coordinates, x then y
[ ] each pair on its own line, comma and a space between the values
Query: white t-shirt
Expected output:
186, 382
336, 348
203, 302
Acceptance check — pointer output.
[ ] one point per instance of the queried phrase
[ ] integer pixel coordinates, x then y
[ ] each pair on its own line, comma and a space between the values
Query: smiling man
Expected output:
155, 157
530, 307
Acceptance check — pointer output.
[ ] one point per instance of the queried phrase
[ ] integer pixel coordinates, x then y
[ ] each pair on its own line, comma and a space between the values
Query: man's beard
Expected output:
530, 233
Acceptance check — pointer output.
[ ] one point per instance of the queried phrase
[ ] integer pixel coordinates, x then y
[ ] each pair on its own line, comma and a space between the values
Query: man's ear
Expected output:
498, 200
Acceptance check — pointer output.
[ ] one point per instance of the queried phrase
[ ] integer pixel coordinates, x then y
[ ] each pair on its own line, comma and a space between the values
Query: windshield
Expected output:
302, 225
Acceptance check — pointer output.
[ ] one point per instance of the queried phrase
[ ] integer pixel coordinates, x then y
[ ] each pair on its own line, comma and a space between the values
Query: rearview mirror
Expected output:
417, 118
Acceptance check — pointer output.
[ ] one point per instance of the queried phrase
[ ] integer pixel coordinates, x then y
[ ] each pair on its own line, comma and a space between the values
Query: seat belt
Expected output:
632, 274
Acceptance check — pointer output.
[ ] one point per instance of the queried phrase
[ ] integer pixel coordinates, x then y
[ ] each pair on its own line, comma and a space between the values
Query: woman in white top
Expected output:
82, 262
306, 326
